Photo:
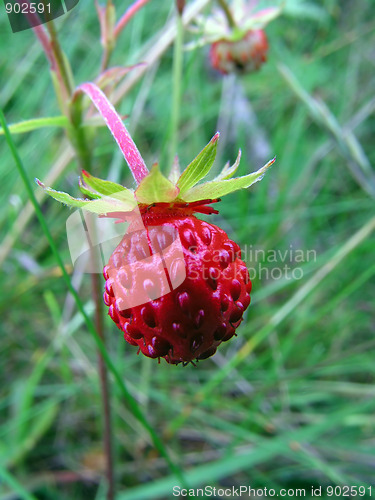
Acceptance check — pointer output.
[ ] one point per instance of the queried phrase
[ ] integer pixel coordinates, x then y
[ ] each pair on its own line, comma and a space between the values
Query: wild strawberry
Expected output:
192, 319
243, 56
238, 43
175, 285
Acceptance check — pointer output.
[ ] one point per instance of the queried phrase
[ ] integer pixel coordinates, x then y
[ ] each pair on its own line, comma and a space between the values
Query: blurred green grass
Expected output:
288, 403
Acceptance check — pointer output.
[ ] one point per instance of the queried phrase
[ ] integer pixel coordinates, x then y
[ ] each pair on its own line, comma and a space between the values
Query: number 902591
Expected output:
28, 8
348, 491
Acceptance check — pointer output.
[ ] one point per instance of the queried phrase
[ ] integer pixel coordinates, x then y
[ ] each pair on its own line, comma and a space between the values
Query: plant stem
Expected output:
176, 97
228, 14
60, 59
98, 318
77, 136
117, 128
103, 376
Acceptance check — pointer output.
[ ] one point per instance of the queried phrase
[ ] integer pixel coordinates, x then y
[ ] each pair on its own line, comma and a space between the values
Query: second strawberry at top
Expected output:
235, 32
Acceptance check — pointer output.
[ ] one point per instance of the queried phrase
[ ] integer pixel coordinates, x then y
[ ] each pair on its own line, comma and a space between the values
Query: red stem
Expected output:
129, 13
44, 40
118, 130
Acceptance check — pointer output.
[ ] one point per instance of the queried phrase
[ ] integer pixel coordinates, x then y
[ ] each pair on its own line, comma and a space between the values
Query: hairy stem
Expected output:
116, 126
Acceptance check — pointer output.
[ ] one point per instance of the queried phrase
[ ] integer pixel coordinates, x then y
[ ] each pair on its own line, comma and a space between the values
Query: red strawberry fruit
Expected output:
175, 285
192, 319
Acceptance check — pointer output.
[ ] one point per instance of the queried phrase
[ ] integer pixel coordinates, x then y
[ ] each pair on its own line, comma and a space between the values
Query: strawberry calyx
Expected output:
155, 193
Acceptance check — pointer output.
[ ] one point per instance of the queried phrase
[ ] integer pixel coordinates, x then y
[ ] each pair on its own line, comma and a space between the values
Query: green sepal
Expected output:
155, 187
87, 192
120, 203
228, 171
217, 189
199, 167
105, 188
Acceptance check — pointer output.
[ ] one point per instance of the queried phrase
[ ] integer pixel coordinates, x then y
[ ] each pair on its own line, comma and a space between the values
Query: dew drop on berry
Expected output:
113, 313
124, 278
177, 272
148, 316
206, 235
183, 300
220, 331
235, 289
225, 301
141, 250
117, 260
188, 239
105, 272
199, 319
178, 330
245, 275
151, 288
224, 259
159, 347
246, 301
106, 298
229, 247
120, 304
108, 287
195, 343
213, 275
237, 250
237, 313
161, 237
125, 243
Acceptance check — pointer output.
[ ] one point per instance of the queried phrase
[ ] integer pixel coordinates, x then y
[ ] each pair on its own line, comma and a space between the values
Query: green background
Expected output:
289, 402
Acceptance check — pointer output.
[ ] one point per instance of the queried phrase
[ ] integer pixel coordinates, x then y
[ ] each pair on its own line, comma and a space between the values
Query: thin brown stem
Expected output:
102, 367
104, 386
228, 14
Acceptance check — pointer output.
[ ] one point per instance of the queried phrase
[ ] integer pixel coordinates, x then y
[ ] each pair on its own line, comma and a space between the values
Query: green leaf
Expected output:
101, 186
36, 123
199, 167
100, 206
216, 189
156, 188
